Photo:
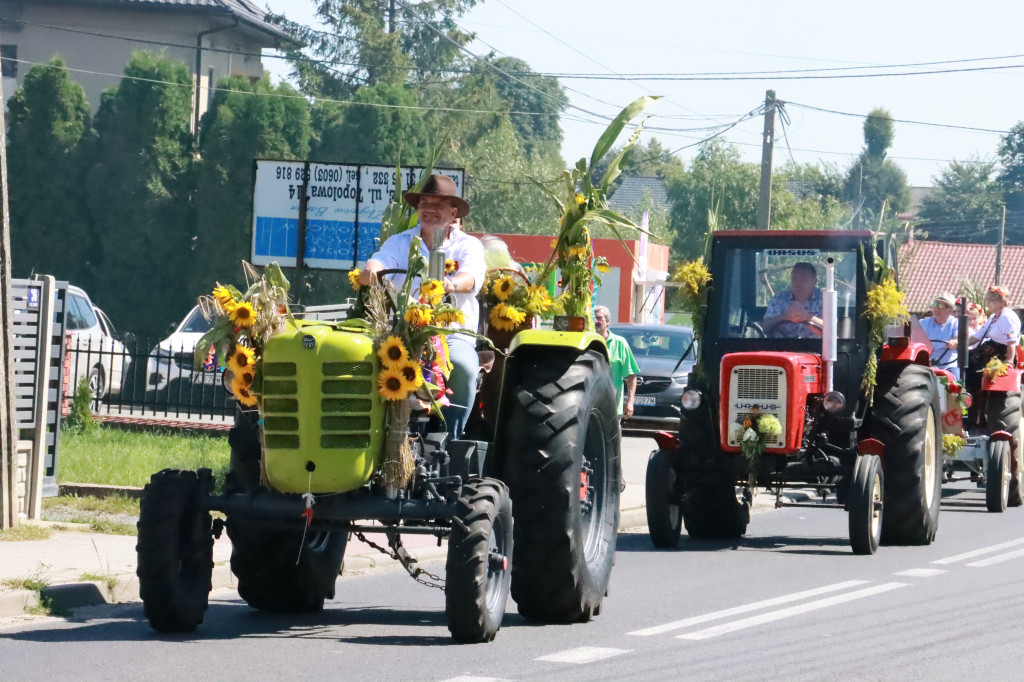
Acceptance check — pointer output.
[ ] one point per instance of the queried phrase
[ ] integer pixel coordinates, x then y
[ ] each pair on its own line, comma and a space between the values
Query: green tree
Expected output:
650, 160
966, 203
873, 180
49, 119
139, 188
385, 128
717, 188
245, 121
542, 96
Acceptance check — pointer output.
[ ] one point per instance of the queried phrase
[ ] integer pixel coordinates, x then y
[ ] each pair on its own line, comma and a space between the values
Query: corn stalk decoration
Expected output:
586, 203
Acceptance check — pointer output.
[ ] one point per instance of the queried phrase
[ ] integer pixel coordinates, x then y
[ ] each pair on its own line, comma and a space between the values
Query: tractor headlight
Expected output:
691, 400
834, 402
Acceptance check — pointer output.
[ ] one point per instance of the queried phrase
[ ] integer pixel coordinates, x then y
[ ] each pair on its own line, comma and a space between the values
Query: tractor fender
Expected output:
578, 341
905, 350
1008, 383
1001, 435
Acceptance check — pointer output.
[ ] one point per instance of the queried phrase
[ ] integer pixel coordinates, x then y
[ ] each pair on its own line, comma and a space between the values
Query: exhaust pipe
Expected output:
830, 322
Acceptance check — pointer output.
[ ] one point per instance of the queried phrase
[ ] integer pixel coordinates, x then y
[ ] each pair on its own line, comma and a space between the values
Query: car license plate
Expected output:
643, 400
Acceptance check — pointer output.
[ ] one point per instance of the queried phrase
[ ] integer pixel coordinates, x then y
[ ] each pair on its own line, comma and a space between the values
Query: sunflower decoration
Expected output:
431, 292
243, 315
446, 315
411, 373
392, 352
243, 359
503, 287
451, 266
506, 317
224, 297
419, 315
391, 385
538, 302
578, 252
353, 279
242, 391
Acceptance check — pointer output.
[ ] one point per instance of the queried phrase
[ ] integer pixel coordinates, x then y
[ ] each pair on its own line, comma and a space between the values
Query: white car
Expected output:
93, 350
171, 361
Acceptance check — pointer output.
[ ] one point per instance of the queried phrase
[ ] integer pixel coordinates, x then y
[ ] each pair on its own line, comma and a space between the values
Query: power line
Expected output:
783, 77
901, 120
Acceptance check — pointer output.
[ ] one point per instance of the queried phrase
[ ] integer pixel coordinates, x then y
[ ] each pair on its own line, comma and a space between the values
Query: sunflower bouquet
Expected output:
242, 325
586, 203
694, 279
512, 299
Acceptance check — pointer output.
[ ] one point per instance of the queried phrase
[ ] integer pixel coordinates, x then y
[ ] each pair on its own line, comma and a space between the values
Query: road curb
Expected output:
65, 597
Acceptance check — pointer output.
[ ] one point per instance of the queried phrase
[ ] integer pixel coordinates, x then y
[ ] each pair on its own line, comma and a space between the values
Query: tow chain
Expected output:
407, 560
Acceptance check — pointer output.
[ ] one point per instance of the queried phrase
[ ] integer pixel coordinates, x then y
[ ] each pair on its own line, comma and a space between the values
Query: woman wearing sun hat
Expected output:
1001, 331
942, 328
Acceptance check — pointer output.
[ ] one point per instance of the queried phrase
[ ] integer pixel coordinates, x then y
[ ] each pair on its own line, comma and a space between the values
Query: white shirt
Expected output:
465, 250
1004, 329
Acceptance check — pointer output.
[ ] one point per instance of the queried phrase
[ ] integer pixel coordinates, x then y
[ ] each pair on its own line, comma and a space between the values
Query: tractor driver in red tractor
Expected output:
796, 313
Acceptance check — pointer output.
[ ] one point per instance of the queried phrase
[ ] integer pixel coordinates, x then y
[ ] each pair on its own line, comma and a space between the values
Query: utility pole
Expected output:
764, 203
999, 246
8, 431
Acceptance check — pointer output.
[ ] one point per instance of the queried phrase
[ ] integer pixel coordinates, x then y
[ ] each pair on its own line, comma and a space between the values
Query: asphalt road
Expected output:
789, 601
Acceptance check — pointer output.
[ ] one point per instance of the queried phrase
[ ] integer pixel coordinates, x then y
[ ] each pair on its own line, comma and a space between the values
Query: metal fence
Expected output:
137, 378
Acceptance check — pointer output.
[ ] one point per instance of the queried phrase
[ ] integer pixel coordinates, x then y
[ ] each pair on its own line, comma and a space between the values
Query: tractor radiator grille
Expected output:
344, 422
758, 383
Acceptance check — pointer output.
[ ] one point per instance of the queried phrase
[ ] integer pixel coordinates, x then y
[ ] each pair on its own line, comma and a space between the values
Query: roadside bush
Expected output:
79, 419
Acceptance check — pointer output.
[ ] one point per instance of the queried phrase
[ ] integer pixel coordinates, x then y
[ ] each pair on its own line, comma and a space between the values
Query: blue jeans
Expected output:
462, 382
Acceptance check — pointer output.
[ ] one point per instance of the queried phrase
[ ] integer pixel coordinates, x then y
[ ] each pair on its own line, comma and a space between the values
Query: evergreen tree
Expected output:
245, 121
49, 119
873, 180
139, 194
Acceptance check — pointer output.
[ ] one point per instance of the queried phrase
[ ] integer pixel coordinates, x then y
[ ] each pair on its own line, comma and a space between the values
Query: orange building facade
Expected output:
624, 289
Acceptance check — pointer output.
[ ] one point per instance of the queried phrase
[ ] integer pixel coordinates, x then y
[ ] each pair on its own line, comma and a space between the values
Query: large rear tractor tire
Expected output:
997, 476
905, 417
867, 492
263, 558
563, 471
477, 574
711, 509
175, 549
1003, 413
664, 519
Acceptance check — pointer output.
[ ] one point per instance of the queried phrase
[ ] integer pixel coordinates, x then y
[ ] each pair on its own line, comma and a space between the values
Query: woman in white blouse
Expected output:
1001, 329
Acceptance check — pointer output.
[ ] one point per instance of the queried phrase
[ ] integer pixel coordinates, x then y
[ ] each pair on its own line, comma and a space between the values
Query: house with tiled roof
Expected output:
96, 38
928, 268
629, 196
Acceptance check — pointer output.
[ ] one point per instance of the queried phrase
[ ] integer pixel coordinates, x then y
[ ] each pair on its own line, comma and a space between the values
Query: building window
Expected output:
8, 63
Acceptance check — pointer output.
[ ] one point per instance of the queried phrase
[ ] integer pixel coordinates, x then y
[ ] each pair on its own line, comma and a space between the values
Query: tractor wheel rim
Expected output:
594, 455
673, 509
876, 505
929, 459
495, 575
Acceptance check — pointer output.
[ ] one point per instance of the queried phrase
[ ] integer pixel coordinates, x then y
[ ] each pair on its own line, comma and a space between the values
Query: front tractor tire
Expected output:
664, 518
263, 557
905, 417
563, 471
477, 574
175, 549
997, 476
1003, 413
711, 509
866, 504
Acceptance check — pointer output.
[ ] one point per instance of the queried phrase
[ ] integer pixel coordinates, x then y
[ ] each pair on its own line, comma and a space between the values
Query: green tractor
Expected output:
306, 473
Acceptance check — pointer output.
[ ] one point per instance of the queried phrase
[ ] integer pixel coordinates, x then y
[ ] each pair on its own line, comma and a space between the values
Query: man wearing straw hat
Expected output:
942, 328
437, 207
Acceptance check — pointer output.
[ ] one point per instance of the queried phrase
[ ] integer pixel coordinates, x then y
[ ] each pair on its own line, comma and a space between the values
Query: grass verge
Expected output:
25, 531
112, 456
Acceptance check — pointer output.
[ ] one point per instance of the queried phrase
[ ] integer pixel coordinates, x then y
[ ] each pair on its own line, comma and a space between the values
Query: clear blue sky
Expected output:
655, 36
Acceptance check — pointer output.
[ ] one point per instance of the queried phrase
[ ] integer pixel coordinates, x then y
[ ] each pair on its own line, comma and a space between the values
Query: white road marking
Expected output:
921, 572
978, 552
584, 654
998, 559
791, 611
470, 678
746, 608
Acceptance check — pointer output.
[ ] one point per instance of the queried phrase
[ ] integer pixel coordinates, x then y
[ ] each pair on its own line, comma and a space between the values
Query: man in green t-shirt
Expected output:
620, 358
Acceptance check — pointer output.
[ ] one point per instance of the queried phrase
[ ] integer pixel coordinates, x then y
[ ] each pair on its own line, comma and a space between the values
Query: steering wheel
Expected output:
758, 329
388, 286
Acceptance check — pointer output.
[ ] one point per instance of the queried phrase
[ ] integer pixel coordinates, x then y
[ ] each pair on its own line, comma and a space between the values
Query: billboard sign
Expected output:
346, 203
